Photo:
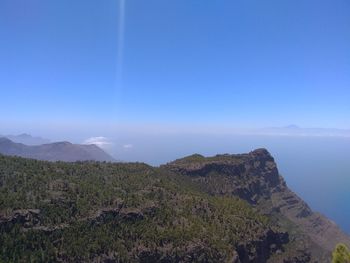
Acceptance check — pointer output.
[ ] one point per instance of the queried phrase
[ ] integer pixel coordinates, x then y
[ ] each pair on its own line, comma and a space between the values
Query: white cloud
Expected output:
127, 146
100, 141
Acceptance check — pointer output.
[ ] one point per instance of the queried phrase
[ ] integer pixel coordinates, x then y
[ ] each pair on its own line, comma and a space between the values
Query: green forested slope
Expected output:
124, 212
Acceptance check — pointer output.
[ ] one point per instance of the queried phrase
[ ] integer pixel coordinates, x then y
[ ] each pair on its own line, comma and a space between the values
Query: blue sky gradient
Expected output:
246, 63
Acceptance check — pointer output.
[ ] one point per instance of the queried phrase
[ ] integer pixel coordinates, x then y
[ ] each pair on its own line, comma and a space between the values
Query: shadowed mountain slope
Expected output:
58, 151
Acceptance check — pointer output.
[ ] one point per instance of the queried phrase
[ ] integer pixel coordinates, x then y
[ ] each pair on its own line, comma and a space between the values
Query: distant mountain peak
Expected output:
62, 143
292, 126
57, 151
27, 139
4, 139
25, 135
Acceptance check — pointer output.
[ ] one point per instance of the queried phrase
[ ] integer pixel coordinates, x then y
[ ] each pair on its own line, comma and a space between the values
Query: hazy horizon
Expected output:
310, 164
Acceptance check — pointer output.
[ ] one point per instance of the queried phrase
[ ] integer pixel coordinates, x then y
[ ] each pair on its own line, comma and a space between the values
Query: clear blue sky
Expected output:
243, 63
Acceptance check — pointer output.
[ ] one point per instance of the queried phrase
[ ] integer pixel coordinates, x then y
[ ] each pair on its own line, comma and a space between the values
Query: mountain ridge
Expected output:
27, 139
225, 208
56, 151
268, 191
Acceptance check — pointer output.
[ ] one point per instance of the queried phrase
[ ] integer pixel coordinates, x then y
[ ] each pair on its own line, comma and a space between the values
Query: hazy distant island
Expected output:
57, 151
27, 139
225, 208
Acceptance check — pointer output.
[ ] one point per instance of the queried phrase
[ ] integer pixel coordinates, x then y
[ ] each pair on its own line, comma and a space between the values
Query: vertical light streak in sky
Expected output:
118, 88
120, 51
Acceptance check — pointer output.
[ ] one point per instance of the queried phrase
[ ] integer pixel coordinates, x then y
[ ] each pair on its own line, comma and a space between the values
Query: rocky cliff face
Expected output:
254, 177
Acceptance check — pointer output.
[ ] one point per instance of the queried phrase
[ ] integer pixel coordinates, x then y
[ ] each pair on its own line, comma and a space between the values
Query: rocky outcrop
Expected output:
249, 176
254, 177
31, 218
27, 218
261, 250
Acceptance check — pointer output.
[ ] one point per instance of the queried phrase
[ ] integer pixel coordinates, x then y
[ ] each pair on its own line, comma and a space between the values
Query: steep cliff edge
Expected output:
254, 177
226, 208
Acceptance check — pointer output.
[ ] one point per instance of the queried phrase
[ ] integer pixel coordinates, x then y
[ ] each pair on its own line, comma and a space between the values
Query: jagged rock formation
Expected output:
58, 151
226, 208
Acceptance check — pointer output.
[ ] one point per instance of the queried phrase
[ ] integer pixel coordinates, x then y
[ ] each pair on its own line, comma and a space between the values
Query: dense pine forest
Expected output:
192, 210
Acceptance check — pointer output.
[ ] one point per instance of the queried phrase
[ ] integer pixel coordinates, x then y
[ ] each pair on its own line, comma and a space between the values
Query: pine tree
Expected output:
341, 254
